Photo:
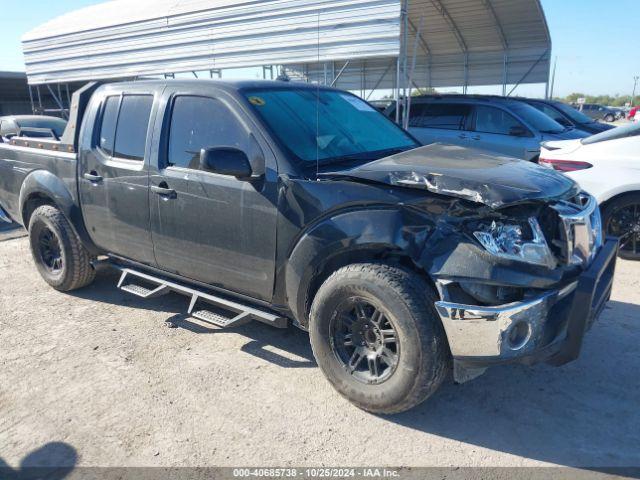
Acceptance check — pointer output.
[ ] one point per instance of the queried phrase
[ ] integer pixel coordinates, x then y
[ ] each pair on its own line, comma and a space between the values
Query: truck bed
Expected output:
23, 156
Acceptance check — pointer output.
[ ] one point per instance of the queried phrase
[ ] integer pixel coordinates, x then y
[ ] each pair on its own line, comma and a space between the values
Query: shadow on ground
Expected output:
53, 461
262, 337
581, 414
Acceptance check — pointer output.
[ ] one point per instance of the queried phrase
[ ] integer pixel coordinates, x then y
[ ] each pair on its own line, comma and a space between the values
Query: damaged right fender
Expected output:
350, 237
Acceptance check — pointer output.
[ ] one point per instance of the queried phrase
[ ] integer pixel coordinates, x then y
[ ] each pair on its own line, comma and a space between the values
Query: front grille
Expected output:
580, 229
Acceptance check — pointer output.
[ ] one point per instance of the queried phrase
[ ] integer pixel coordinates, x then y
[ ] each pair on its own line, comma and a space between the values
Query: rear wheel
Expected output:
60, 257
621, 218
377, 337
609, 118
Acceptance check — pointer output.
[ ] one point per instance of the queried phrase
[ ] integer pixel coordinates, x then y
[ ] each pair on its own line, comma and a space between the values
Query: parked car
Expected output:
497, 124
606, 165
567, 116
598, 112
31, 126
620, 113
294, 203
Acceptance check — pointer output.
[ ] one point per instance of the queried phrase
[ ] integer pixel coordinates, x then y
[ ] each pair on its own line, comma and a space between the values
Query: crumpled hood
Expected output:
467, 173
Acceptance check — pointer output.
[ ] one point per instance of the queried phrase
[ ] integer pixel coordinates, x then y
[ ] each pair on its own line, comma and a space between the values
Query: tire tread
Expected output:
80, 272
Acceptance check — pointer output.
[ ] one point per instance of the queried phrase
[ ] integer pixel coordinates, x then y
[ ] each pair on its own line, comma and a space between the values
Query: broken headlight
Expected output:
524, 243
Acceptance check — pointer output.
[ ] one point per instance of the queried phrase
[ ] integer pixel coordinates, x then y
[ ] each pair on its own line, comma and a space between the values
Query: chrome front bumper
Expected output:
506, 331
549, 327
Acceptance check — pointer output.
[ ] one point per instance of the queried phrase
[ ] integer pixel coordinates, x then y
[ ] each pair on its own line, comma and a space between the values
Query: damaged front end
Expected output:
492, 307
517, 255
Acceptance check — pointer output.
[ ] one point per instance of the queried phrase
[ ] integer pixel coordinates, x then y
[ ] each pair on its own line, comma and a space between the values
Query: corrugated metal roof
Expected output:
462, 41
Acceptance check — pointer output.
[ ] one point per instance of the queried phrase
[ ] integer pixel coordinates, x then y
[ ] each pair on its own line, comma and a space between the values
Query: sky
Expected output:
596, 42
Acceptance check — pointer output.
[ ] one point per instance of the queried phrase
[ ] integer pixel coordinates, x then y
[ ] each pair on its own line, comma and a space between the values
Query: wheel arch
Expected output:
42, 187
618, 196
340, 241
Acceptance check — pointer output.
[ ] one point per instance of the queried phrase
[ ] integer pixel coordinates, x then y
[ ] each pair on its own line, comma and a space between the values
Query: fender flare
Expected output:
44, 184
348, 237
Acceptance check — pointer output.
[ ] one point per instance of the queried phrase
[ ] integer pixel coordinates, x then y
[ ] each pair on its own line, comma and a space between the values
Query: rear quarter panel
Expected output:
17, 164
616, 167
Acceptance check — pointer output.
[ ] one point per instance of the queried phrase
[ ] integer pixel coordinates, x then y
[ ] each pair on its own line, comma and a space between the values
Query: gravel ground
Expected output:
99, 372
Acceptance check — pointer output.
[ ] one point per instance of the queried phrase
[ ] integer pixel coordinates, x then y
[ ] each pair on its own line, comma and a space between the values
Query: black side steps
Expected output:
210, 308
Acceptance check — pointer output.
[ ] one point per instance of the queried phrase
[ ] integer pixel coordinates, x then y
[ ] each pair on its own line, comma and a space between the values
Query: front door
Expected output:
494, 130
213, 228
114, 176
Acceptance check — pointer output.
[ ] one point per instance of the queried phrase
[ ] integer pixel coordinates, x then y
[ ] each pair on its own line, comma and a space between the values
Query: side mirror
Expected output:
563, 121
226, 161
518, 131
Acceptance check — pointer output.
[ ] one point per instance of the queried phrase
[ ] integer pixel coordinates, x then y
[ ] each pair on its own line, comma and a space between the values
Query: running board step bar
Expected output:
203, 306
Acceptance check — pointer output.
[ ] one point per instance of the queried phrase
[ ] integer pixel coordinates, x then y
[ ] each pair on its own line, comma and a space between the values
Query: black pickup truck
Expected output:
291, 203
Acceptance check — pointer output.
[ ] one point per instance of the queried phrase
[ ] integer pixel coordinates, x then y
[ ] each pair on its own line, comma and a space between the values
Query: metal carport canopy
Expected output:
371, 42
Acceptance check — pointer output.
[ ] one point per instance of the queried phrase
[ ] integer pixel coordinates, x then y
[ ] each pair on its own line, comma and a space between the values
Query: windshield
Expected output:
56, 124
632, 130
536, 118
327, 125
572, 113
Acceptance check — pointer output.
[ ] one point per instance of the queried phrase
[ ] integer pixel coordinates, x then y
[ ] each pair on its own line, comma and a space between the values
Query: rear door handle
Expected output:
93, 177
462, 136
476, 137
164, 191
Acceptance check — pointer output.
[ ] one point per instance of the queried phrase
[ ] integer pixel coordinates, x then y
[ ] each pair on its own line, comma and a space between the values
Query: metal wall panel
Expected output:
226, 36
462, 42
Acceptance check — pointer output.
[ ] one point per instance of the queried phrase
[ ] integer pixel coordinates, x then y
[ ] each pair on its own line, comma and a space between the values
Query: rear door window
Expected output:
494, 120
448, 116
133, 124
201, 122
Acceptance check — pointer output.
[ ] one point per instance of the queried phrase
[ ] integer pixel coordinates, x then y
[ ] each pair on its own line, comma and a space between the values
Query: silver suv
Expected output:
498, 124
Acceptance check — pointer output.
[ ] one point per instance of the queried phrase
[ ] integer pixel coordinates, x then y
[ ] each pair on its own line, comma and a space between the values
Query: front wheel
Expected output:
609, 118
60, 257
377, 337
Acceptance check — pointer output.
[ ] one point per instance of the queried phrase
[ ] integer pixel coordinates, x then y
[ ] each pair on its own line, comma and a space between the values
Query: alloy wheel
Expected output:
365, 341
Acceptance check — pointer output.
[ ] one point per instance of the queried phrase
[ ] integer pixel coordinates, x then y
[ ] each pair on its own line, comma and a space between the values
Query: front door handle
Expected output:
164, 191
93, 177
462, 136
476, 137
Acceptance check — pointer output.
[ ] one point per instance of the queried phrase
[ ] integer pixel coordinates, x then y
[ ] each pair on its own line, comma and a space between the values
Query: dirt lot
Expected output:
100, 372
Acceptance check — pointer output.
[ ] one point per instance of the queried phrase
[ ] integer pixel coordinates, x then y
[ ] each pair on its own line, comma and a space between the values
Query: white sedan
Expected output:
607, 165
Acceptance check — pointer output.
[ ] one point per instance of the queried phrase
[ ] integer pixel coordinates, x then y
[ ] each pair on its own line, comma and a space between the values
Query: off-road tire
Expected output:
76, 271
611, 208
424, 359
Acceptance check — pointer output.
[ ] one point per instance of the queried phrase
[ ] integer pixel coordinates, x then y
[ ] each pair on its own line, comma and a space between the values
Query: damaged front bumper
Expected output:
549, 327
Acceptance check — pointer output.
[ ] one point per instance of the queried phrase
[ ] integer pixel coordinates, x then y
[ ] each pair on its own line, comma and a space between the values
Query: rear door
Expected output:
493, 129
213, 228
440, 122
114, 172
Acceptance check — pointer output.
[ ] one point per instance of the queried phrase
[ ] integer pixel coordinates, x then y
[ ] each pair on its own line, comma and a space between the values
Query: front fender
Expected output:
41, 184
349, 237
